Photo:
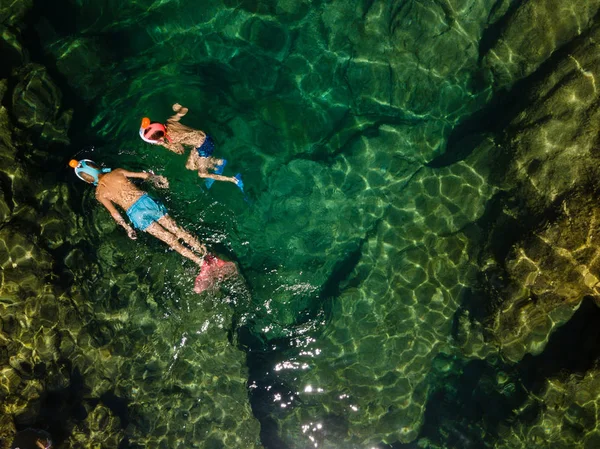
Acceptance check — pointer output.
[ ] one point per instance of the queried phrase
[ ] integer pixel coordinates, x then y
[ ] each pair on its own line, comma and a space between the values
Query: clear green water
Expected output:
370, 182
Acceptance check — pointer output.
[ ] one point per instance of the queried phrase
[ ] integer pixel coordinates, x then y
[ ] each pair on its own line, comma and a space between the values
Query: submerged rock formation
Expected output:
553, 172
421, 180
82, 353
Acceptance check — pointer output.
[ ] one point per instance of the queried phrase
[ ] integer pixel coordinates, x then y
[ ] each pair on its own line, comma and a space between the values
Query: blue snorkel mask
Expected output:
89, 168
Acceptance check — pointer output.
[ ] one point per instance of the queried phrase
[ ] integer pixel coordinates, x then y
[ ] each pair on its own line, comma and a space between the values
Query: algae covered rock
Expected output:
13, 52
335, 110
37, 104
554, 138
533, 31
7, 431
365, 378
101, 428
5, 209
565, 416
537, 285
548, 274
11, 12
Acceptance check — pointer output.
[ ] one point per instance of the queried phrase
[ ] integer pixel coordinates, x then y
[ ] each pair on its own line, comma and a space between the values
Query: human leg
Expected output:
172, 240
170, 225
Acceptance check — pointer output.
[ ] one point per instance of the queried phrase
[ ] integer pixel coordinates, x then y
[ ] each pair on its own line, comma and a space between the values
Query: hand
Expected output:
160, 181
180, 109
131, 234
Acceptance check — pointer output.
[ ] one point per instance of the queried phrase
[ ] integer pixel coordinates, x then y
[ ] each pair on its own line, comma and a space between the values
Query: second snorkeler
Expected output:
174, 136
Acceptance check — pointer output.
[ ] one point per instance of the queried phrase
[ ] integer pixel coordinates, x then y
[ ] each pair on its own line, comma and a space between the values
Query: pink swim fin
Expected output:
212, 272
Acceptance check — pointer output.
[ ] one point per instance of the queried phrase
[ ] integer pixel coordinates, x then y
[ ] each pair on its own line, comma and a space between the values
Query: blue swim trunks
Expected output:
207, 147
145, 211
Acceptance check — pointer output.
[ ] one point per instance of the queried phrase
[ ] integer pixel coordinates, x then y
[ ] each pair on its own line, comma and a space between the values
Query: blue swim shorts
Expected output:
207, 147
145, 211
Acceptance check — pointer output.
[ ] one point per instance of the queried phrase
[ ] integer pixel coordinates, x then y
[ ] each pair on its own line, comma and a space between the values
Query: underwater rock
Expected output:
84, 61
8, 165
533, 31
310, 224
52, 230
36, 104
554, 138
5, 210
13, 11
14, 55
7, 431
370, 369
548, 273
60, 224
19, 257
101, 428
537, 285
562, 415
207, 404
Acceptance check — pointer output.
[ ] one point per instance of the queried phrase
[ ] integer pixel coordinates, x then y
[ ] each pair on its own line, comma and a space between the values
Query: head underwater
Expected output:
88, 167
148, 129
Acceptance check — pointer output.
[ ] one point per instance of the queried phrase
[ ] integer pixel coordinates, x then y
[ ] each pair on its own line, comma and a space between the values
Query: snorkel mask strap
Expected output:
145, 139
148, 127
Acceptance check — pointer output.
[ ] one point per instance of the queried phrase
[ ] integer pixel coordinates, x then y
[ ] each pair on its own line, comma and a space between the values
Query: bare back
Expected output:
185, 135
181, 134
117, 188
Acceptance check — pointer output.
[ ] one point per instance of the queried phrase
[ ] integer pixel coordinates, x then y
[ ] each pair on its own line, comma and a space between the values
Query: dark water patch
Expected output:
573, 348
61, 15
493, 32
467, 408
11, 59
264, 385
61, 409
6, 190
340, 273
469, 402
118, 405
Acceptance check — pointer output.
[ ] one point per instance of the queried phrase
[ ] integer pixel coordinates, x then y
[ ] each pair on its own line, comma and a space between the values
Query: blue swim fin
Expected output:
240, 184
218, 170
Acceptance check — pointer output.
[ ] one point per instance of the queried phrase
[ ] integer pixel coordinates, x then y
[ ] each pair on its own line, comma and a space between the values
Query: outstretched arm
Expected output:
135, 174
117, 217
180, 111
159, 181
218, 177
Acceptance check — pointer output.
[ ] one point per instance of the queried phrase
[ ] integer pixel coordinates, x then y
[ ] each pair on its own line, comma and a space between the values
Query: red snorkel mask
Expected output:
149, 128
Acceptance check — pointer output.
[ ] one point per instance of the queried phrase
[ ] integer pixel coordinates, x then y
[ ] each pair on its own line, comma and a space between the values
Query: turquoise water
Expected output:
410, 168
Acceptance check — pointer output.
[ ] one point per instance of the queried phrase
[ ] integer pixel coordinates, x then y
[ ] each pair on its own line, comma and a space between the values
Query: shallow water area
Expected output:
416, 240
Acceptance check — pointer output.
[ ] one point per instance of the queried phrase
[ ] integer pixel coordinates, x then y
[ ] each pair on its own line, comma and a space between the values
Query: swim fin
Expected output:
218, 170
213, 272
240, 184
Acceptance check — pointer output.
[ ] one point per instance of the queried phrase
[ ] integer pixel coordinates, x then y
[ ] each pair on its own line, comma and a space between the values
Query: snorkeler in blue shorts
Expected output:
173, 136
145, 213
